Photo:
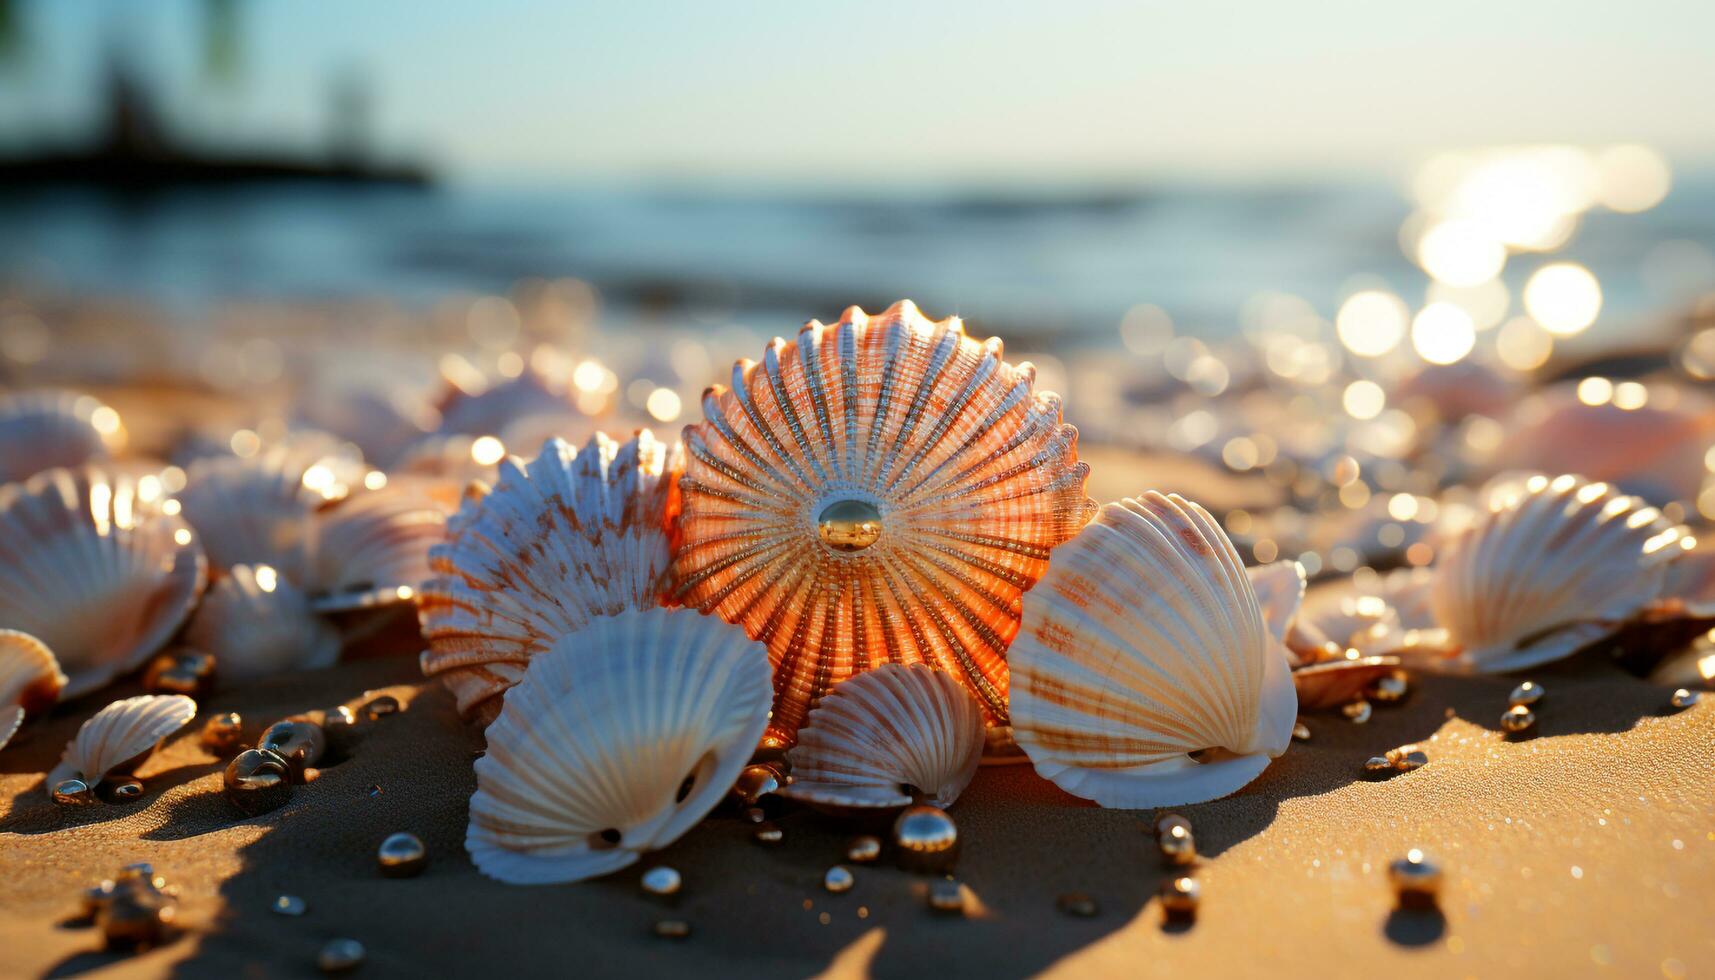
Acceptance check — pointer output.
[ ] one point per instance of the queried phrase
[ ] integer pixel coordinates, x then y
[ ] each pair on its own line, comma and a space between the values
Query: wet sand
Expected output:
1591, 845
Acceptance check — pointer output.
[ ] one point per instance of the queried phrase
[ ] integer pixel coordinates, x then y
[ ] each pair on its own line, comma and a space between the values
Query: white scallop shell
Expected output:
885, 737
120, 736
635, 727
30, 676
571, 535
47, 428
257, 623
373, 548
1550, 570
488, 411
1279, 589
1142, 646
11, 719
252, 510
94, 573
1690, 586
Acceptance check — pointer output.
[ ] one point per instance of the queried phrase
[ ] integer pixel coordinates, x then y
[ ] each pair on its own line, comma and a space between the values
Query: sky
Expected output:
883, 91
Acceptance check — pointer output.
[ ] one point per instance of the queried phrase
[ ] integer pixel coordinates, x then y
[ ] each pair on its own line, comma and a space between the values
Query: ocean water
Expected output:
1053, 266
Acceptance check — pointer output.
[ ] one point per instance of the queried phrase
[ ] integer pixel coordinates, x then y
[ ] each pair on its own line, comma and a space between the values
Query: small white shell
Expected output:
1549, 571
120, 736
1143, 645
94, 573
619, 739
257, 623
43, 429
571, 535
253, 510
373, 548
883, 737
1279, 589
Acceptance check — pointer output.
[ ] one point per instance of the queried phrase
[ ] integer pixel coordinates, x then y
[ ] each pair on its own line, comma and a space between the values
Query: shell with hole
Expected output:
48, 428
882, 490
257, 624
886, 738
1145, 674
253, 510
30, 680
100, 577
570, 536
120, 737
620, 738
1549, 570
372, 549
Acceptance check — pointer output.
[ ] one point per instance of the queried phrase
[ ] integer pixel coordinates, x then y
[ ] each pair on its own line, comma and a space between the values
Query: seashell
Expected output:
572, 535
485, 409
381, 420
882, 490
457, 459
1279, 589
619, 739
1690, 587
120, 736
887, 738
1333, 683
373, 548
1454, 391
254, 510
1145, 674
1653, 447
257, 623
30, 677
1547, 572
48, 428
97, 576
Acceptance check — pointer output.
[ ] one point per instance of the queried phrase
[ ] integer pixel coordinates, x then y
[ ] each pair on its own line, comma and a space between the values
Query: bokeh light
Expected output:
1564, 297
1371, 322
1442, 333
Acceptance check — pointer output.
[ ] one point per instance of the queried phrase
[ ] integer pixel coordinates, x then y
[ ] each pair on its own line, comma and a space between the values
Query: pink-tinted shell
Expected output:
48, 428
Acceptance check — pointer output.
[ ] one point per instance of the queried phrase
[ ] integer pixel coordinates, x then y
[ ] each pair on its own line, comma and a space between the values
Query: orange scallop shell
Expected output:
973, 473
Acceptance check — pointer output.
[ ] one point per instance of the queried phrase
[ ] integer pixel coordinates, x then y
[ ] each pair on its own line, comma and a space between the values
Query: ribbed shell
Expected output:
374, 548
48, 428
973, 473
1144, 643
567, 537
1690, 586
87, 568
30, 676
1332, 683
120, 736
257, 624
885, 737
637, 726
1655, 450
1547, 572
487, 412
252, 510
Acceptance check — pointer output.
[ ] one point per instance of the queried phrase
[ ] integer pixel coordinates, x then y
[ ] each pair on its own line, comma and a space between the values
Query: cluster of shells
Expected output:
873, 561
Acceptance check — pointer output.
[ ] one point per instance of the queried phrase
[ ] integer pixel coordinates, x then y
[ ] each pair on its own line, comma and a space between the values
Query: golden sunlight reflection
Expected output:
663, 405
1564, 297
266, 578
487, 451
1364, 400
1443, 333
1523, 345
1631, 178
1372, 322
1460, 253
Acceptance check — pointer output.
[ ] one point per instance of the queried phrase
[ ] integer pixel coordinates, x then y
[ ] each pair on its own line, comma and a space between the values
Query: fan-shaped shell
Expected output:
1548, 571
257, 623
1144, 648
486, 411
569, 536
886, 737
254, 510
879, 491
1279, 589
30, 680
30, 676
373, 548
90, 570
120, 736
1653, 447
48, 428
1690, 586
619, 739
